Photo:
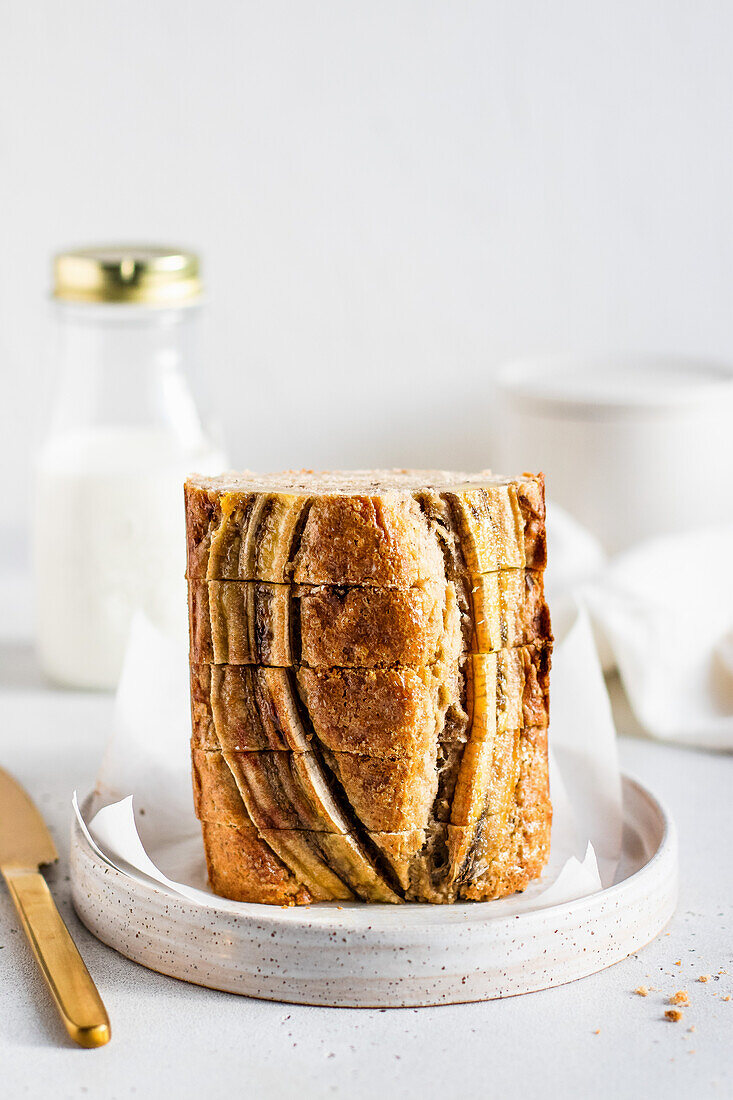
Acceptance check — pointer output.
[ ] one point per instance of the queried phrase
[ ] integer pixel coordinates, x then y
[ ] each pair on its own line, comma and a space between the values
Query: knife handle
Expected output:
72, 988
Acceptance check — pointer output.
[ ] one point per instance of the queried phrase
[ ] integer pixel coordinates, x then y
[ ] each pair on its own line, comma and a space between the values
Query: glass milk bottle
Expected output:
109, 533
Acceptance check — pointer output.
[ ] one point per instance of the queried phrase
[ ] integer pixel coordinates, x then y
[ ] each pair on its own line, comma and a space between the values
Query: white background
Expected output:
390, 198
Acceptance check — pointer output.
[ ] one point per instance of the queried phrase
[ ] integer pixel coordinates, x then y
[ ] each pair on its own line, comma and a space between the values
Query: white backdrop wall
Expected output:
390, 198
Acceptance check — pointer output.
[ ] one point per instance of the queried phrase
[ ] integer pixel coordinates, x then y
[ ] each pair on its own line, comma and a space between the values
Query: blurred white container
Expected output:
109, 533
631, 446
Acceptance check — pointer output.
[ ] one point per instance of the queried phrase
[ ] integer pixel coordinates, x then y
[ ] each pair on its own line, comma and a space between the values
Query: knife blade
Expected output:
25, 844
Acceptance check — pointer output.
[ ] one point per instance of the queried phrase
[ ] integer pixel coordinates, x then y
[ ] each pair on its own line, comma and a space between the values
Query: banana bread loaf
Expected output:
370, 660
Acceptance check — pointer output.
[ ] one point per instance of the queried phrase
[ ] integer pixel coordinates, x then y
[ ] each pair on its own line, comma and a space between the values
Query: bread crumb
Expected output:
678, 963
704, 978
725, 998
597, 1031
680, 998
642, 991
673, 1014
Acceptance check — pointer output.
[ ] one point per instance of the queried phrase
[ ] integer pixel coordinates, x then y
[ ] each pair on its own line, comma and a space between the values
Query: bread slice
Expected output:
380, 712
326, 626
384, 528
377, 712
246, 865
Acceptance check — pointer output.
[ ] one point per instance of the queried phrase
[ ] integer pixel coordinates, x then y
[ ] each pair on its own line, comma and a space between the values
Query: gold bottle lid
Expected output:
141, 274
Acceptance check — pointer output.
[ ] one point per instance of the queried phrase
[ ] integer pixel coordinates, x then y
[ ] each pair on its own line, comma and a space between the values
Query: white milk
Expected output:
109, 539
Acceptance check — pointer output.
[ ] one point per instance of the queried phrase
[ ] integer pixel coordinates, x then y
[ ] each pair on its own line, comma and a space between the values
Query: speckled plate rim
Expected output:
386, 956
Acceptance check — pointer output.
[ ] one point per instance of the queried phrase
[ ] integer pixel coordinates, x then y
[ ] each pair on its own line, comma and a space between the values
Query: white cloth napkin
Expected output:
154, 833
663, 614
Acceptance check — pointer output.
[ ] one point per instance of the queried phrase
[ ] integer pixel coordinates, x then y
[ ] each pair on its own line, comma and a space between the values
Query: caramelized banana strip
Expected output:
513, 851
245, 708
502, 689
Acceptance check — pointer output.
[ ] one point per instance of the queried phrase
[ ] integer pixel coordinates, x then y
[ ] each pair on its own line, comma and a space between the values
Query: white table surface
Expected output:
595, 1037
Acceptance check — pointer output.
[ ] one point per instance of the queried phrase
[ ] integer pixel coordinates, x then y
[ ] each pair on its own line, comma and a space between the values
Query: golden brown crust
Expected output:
203, 730
531, 501
216, 796
367, 540
371, 627
379, 712
243, 867
387, 796
278, 867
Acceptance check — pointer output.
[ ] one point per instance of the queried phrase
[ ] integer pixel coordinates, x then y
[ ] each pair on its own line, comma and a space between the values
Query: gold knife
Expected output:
25, 843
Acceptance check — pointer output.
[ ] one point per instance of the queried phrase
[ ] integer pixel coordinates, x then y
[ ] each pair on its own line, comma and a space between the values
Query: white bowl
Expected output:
631, 446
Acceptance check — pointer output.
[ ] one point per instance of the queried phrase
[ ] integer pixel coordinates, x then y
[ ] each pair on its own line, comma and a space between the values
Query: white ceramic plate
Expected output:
383, 955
